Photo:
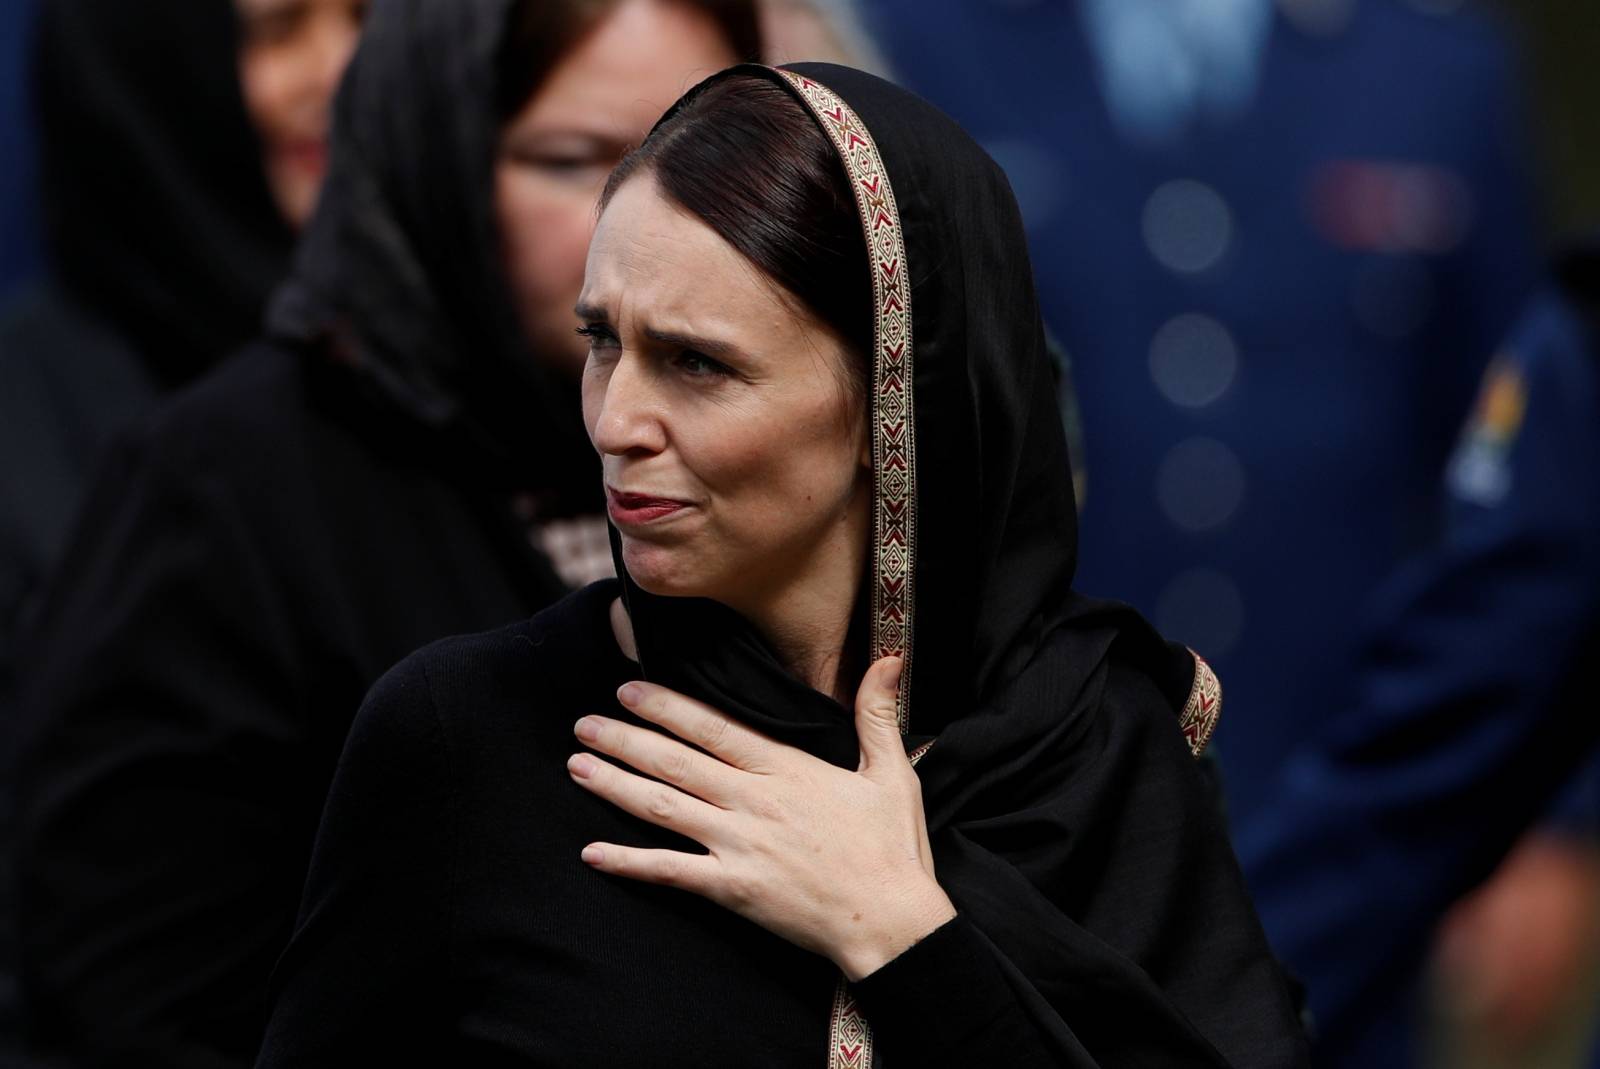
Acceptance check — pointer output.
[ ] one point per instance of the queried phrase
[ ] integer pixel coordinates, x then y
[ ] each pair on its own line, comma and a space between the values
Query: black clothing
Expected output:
1041, 700
1578, 271
1103, 920
69, 385
451, 921
248, 564
157, 210
258, 555
163, 245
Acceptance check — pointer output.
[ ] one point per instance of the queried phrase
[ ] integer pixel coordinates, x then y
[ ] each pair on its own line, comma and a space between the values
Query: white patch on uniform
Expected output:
1480, 471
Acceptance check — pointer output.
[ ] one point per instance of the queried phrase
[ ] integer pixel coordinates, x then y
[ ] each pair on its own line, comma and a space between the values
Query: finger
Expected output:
877, 722
658, 803
696, 722
669, 868
663, 757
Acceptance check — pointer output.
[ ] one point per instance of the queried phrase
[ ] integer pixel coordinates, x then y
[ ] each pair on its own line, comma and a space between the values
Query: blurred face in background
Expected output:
291, 56
600, 99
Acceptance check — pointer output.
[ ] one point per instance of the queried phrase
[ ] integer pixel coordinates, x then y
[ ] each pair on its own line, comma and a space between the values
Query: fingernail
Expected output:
629, 694
587, 729
581, 765
593, 855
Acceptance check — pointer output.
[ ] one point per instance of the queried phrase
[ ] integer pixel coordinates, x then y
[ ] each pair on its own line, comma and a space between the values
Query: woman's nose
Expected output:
336, 35
630, 418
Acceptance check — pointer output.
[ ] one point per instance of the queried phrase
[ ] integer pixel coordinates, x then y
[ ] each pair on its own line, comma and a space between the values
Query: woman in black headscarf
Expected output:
818, 385
380, 470
169, 209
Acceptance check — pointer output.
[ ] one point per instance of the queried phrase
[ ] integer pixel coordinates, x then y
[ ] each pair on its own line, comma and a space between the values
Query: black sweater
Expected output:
246, 567
448, 919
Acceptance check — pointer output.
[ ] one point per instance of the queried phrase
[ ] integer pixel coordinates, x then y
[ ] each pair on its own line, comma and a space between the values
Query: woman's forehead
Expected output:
651, 258
639, 58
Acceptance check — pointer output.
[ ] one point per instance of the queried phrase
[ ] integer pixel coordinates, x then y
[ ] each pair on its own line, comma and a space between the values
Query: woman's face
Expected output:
600, 99
734, 446
291, 56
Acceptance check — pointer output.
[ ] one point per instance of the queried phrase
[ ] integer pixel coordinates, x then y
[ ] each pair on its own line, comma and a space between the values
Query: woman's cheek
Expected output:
546, 234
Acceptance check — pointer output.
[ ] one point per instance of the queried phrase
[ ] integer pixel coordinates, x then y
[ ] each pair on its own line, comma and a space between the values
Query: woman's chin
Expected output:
659, 570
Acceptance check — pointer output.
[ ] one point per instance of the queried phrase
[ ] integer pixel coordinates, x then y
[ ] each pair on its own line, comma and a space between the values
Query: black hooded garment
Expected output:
261, 550
163, 246
1102, 919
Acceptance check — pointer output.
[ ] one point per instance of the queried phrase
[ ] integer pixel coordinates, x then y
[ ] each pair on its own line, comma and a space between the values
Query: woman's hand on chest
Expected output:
832, 860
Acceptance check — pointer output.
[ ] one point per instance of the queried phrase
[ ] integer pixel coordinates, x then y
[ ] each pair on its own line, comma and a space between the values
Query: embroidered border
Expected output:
1204, 707
849, 1035
893, 432
894, 452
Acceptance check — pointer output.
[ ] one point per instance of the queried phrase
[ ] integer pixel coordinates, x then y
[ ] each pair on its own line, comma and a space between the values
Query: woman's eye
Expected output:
699, 364
571, 169
599, 337
271, 27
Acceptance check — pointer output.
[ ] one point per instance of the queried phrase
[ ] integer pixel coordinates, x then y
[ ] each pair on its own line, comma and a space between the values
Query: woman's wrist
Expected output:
874, 939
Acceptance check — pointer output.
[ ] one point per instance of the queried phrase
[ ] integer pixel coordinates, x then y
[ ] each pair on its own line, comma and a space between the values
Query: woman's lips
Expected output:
307, 153
634, 509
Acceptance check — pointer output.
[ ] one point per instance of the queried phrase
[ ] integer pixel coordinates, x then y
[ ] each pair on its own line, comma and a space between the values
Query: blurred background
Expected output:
1298, 256
1555, 37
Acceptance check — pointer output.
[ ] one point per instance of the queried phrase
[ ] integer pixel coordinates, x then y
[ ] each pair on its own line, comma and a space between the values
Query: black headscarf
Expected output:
155, 196
399, 272
1053, 828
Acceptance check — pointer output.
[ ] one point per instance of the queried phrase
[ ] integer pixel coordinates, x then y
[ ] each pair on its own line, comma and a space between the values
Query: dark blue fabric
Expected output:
19, 206
1470, 710
1340, 432
1356, 357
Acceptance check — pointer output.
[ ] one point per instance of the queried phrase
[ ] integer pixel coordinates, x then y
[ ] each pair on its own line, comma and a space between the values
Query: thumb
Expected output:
877, 727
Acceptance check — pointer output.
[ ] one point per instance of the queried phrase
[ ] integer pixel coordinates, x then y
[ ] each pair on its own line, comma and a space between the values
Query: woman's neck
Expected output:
805, 611
811, 644
807, 624
810, 641
805, 614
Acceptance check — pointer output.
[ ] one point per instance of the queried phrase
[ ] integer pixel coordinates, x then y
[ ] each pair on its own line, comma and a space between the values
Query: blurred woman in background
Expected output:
181, 145
400, 458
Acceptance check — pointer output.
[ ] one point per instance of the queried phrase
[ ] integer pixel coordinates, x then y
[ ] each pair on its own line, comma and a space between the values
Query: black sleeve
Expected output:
949, 1000
365, 980
159, 737
1102, 917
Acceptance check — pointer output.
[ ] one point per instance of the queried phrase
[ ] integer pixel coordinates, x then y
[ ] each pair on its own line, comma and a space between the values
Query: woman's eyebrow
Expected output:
570, 138
594, 313
709, 346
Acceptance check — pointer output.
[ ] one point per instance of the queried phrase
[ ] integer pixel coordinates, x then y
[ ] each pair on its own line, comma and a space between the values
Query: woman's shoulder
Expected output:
551, 658
248, 390
237, 422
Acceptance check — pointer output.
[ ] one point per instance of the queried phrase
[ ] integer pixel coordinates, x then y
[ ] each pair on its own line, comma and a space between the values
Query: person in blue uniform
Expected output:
1279, 279
1472, 706
1280, 240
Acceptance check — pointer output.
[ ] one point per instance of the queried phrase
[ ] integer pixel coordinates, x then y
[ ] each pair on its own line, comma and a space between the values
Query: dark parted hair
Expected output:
540, 32
746, 158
